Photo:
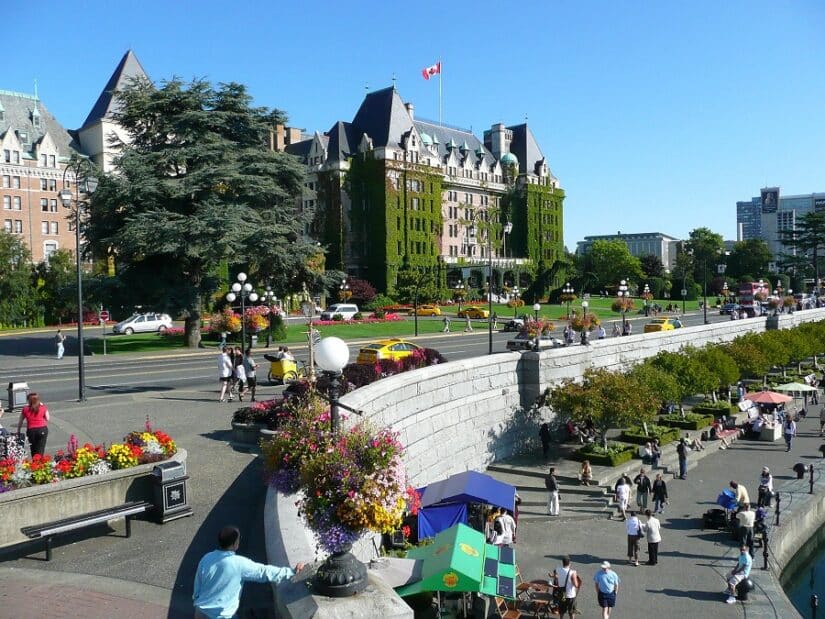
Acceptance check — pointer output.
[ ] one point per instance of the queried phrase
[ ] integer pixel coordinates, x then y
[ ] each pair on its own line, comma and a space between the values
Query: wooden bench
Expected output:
48, 530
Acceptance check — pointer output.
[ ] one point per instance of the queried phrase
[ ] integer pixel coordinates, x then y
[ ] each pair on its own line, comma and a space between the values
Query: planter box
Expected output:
687, 424
714, 411
612, 460
665, 437
73, 497
247, 433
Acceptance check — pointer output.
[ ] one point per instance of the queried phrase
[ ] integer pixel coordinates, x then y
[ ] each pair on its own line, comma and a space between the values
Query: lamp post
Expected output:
515, 304
345, 294
536, 309
508, 228
242, 289
623, 294
86, 184
269, 300
341, 575
725, 291
568, 291
459, 292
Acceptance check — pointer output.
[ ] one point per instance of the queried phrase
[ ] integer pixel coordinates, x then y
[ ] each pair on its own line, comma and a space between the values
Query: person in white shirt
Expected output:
225, 370
633, 528
652, 530
622, 497
568, 578
508, 524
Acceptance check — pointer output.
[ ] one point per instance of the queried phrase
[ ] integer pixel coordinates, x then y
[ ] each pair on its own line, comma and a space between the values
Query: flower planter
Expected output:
675, 421
613, 459
247, 433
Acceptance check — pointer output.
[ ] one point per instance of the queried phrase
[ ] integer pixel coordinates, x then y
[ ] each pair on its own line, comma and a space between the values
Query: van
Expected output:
346, 310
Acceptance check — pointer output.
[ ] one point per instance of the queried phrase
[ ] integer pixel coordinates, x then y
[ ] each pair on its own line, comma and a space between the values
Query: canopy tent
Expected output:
460, 560
444, 503
795, 388
768, 397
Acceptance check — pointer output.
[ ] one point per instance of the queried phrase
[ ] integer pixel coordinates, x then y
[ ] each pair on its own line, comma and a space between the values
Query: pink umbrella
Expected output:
768, 397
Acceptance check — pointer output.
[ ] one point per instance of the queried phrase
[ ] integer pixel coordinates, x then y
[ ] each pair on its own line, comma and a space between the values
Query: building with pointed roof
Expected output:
392, 192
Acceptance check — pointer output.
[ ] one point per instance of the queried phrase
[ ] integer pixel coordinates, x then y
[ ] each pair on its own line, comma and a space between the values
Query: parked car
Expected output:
525, 341
514, 324
426, 310
474, 312
727, 308
347, 311
386, 349
663, 324
144, 323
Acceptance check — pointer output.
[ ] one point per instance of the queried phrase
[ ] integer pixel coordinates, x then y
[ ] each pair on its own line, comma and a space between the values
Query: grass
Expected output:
139, 342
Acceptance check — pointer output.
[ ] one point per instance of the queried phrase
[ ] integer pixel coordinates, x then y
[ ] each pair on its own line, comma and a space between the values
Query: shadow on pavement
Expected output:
127, 389
241, 505
693, 595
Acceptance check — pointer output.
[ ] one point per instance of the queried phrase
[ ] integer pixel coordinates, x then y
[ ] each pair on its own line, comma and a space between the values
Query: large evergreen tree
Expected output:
805, 245
195, 186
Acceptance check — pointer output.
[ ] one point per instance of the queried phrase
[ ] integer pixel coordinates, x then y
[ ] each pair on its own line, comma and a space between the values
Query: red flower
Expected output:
405, 531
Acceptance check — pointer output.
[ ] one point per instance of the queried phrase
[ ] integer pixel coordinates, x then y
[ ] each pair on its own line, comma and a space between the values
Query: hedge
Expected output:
691, 421
636, 435
618, 453
716, 410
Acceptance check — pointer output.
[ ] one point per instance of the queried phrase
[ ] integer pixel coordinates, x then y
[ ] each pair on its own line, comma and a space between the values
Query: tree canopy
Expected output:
805, 244
17, 294
196, 187
611, 262
749, 258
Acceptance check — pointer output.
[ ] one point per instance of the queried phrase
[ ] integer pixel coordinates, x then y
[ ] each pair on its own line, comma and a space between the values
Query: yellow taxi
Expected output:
425, 310
663, 324
474, 312
386, 349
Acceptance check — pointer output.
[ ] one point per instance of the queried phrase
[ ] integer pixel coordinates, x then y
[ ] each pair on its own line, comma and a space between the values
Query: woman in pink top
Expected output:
37, 419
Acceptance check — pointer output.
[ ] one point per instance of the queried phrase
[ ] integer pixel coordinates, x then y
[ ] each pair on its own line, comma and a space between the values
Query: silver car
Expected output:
524, 341
144, 323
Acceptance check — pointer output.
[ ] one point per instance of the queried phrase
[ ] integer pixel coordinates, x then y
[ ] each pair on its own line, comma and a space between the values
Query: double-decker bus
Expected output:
750, 305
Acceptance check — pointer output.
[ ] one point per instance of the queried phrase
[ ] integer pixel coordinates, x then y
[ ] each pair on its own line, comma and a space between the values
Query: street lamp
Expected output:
269, 299
242, 289
536, 309
568, 291
623, 293
515, 302
345, 294
508, 228
725, 291
341, 575
459, 292
86, 184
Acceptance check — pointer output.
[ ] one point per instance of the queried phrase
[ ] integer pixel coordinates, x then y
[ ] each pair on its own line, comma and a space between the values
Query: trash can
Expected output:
18, 395
169, 481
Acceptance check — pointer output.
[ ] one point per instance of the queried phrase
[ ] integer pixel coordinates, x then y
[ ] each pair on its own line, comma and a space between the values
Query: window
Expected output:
44, 205
16, 202
44, 227
415, 204
52, 185
43, 160
15, 156
43, 184
15, 182
6, 180
6, 155
54, 227
53, 205
49, 247
7, 225
18, 226
7, 202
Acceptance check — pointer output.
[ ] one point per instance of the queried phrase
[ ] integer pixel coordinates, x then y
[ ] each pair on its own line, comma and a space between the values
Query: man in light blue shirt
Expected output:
739, 573
607, 586
221, 574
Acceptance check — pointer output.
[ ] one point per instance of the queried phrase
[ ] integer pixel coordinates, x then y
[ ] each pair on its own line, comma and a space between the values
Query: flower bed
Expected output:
18, 471
691, 421
371, 319
714, 409
636, 435
614, 455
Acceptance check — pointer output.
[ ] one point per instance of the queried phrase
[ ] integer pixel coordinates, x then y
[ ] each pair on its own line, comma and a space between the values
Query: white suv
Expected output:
347, 311
144, 323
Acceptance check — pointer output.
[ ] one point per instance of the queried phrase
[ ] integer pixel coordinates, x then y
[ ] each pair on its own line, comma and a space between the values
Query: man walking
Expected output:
790, 431
552, 486
225, 371
739, 573
822, 421
634, 534
569, 581
221, 574
659, 494
622, 491
653, 532
746, 519
446, 321
607, 588
59, 341
682, 451
643, 488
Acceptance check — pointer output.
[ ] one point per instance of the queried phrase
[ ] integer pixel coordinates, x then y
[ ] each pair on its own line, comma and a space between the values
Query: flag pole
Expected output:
440, 98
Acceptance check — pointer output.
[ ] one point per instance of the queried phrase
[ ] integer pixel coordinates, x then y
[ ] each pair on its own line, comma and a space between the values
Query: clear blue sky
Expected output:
655, 116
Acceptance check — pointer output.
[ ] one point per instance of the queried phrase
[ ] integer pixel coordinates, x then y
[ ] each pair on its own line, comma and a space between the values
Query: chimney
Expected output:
410, 110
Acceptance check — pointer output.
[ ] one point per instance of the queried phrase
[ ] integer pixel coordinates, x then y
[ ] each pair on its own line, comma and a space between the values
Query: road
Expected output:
29, 358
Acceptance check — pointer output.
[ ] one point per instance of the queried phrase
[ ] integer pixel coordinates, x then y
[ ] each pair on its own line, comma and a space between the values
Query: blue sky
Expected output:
654, 116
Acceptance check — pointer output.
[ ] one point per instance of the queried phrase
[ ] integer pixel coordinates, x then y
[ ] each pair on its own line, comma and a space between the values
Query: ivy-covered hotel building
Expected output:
394, 192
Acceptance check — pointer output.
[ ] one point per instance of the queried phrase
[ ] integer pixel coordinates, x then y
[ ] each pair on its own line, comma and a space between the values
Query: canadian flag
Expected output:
430, 71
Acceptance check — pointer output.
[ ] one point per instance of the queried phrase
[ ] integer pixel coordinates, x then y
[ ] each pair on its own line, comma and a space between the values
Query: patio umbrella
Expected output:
795, 387
768, 397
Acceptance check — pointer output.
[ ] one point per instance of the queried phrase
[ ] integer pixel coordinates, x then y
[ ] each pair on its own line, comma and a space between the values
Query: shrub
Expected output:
614, 455
360, 374
691, 421
714, 409
637, 435
338, 317
379, 313
278, 328
379, 302
357, 316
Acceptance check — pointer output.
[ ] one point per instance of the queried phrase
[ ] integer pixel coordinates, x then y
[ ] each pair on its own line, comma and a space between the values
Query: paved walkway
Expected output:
689, 576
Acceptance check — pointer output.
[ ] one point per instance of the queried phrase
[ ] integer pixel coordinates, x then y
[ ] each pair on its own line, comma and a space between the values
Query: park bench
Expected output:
48, 530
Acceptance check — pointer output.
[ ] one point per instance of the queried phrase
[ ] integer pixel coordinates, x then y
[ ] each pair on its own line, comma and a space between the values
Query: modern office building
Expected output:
639, 244
395, 192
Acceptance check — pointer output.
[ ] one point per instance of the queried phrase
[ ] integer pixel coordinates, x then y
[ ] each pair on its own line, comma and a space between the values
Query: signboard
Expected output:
770, 199
684, 292
104, 315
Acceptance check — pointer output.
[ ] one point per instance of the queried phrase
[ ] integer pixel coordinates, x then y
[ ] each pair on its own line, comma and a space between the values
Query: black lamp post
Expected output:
242, 289
344, 293
568, 291
623, 296
459, 292
515, 303
269, 299
536, 310
81, 170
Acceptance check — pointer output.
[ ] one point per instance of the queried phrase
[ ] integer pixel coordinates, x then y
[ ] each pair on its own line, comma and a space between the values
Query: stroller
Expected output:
720, 518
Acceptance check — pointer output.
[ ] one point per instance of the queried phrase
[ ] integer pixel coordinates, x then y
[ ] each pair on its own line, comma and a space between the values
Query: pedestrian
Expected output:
746, 520
508, 524
567, 334
765, 491
822, 421
633, 528
225, 370
643, 488
586, 473
659, 494
742, 495
601, 332
646, 453
59, 340
494, 320
607, 588
544, 436
468, 327
221, 574
552, 486
739, 573
622, 496
446, 321
584, 338
682, 451
489, 531
789, 430
250, 366
627, 328
239, 373
653, 532
616, 331
567, 579
655, 453
37, 418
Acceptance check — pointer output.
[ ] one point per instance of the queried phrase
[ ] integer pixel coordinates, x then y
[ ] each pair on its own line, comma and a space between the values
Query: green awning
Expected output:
460, 560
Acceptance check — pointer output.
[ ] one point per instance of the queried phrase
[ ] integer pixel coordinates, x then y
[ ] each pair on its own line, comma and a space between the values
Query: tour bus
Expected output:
750, 305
